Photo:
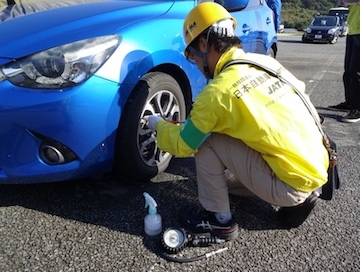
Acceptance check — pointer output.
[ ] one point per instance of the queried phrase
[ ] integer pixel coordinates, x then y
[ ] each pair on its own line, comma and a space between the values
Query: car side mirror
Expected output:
233, 5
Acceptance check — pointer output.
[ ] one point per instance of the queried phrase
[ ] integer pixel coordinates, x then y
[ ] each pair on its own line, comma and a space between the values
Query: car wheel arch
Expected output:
182, 79
130, 127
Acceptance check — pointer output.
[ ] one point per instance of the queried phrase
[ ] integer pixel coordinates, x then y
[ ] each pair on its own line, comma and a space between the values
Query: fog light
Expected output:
51, 155
56, 153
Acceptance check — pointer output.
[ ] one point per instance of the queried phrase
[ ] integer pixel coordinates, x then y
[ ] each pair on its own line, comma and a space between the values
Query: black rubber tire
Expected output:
135, 160
273, 51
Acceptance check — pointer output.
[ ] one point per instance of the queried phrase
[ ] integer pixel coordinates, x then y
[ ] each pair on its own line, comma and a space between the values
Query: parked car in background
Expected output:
324, 29
342, 13
78, 76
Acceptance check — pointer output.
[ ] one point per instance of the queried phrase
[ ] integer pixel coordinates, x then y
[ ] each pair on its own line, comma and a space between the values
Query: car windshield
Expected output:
322, 21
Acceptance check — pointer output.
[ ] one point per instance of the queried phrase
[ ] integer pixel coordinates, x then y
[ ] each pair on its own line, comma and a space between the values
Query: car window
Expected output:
230, 5
324, 22
255, 3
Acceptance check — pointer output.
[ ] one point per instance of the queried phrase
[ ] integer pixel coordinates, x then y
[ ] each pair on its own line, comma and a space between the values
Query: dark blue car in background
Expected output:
76, 78
325, 29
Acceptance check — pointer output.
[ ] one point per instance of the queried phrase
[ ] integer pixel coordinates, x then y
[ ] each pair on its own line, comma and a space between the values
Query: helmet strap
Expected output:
203, 56
205, 64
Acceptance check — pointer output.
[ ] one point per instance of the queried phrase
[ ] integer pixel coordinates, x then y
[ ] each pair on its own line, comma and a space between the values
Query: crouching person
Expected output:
251, 134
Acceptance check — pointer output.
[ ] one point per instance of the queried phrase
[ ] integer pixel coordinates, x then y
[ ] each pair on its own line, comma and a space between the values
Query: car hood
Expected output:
35, 26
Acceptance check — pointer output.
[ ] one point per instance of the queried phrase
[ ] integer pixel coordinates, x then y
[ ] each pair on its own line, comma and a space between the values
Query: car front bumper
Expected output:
318, 37
80, 122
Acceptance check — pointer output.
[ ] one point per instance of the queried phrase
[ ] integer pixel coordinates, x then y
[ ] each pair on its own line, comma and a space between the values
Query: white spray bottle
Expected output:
152, 221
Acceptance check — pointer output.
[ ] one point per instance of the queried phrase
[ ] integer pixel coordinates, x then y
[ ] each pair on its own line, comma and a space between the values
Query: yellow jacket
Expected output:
248, 104
354, 19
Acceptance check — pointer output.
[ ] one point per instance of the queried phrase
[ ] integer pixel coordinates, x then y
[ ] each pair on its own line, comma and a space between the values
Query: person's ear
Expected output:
202, 44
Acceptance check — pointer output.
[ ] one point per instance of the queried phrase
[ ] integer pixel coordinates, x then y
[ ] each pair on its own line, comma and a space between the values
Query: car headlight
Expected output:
332, 31
308, 30
62, 66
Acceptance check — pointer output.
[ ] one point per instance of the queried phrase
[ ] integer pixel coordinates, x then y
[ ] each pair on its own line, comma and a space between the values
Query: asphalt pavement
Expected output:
96, 224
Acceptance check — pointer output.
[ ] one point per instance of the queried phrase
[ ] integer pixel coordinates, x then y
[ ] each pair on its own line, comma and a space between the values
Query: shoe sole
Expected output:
343, 110
350, 120
228, 236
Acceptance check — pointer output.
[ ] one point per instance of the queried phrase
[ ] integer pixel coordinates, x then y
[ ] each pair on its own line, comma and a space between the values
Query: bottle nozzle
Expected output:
150, 202
152, 221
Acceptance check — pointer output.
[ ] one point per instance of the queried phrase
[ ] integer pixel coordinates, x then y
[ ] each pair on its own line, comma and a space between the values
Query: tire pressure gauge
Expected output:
173, 240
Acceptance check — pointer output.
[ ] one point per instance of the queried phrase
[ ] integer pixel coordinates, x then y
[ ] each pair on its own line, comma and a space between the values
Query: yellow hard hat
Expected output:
201, 17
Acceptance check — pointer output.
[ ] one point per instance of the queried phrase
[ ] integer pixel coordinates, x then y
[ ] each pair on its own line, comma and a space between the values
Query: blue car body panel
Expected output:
68, 23
85, 117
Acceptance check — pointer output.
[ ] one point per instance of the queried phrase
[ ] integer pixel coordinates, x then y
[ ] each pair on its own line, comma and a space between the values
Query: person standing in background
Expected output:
351, 76
275, 5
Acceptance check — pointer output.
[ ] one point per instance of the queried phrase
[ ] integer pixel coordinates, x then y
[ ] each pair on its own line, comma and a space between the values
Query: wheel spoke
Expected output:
158, 103
168, 105
164, 104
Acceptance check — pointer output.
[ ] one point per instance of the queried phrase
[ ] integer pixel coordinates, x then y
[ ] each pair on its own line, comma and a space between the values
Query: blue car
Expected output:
77, 76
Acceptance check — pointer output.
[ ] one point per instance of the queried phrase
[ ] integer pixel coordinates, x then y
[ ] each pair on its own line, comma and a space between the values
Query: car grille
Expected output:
319, 32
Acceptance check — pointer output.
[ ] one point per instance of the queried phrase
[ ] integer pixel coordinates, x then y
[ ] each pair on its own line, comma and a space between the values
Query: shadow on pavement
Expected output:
120, 205
295, 40
335, 115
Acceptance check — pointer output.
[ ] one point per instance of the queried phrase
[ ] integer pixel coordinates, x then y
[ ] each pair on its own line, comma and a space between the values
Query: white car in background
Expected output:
342, 13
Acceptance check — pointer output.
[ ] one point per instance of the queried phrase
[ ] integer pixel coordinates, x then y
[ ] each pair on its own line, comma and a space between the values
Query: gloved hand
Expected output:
152, 121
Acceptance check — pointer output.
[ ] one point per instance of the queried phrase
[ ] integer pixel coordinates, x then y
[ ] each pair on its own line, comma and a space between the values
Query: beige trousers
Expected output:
247, 174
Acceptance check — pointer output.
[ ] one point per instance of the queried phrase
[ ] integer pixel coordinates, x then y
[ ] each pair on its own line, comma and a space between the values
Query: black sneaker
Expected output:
293, 217
201, 221
352, 117
340, 107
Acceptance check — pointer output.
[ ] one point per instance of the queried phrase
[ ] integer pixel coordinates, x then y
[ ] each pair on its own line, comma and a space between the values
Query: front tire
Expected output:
137, 156
273, 51
304, 40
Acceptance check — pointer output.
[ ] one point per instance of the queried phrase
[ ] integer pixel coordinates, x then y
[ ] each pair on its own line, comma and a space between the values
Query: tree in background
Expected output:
298, 13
